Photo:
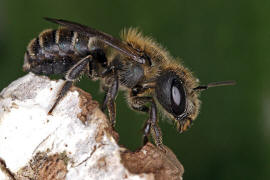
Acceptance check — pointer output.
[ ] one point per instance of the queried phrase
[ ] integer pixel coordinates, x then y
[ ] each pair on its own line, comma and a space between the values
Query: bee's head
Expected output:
178, 94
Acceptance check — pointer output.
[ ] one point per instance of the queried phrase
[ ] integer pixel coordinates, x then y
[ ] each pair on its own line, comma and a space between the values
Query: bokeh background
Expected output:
218, 40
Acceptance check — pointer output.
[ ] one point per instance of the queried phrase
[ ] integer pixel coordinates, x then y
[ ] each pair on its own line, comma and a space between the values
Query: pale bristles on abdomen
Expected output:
57, 45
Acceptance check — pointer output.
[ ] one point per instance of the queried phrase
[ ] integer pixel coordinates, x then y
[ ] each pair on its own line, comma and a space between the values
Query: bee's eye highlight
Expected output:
177, 97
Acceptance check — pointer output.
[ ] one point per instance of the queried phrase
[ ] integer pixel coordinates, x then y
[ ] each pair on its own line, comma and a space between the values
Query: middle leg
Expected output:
110, 97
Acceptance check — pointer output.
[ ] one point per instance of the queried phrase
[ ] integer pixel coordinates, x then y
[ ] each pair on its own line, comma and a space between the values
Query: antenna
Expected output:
214, 84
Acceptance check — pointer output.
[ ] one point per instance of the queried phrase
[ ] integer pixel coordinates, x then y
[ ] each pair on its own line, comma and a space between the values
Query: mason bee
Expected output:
151, 77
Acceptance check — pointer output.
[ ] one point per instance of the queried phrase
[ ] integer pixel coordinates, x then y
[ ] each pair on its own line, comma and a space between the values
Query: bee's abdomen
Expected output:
55, 51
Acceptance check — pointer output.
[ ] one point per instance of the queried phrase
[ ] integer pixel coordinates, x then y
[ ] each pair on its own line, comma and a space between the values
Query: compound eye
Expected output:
177, 97
171, 94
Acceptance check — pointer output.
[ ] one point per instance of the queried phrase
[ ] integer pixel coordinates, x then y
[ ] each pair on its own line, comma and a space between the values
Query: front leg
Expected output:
151, 125
73, 73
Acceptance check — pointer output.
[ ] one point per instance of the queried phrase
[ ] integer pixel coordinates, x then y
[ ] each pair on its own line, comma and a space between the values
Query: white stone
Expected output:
26, 129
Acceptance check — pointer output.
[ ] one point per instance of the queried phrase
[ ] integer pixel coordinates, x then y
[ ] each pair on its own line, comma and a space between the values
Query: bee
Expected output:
151, 77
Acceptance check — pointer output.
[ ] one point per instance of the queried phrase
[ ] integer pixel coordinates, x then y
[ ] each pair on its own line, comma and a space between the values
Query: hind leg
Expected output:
73, 74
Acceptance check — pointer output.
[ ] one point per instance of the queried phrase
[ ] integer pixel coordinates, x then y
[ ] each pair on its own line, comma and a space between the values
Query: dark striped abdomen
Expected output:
55, 51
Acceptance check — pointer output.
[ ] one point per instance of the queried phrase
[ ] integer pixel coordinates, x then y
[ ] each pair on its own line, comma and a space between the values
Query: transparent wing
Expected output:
106, 38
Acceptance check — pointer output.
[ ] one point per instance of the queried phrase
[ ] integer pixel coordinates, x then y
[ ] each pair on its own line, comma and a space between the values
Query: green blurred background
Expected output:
218, 40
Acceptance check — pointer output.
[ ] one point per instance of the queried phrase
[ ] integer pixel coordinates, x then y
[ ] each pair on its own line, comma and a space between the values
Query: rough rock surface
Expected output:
75, 142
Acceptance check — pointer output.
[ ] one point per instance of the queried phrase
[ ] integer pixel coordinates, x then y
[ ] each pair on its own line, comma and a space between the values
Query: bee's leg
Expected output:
105, 99
110, 97
73, 73
146, 131
155, 130
109, 72
138, 103
61, 94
